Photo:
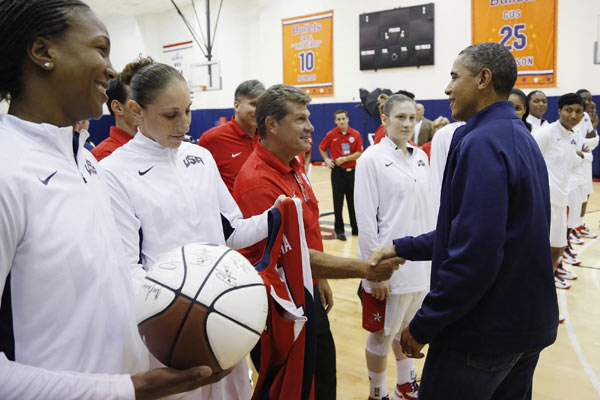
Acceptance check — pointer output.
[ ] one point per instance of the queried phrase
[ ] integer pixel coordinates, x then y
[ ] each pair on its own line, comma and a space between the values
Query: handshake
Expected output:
382, 263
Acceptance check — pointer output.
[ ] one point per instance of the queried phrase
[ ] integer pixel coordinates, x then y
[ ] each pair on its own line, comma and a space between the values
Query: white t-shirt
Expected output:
392, 199
71, 294
562, 162
440, 145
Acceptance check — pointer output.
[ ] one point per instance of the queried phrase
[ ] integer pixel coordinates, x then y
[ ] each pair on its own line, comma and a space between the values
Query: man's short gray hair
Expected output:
274, 103
497, 59
251, 88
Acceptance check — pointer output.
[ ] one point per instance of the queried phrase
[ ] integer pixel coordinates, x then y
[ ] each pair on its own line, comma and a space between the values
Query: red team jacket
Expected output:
289, 335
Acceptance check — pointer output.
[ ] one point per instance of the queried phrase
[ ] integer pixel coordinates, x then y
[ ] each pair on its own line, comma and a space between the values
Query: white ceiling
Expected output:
105, 8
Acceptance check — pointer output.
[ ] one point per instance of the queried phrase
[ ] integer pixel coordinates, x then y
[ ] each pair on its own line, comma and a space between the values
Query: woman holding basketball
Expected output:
392, 199
167, 193
67, 299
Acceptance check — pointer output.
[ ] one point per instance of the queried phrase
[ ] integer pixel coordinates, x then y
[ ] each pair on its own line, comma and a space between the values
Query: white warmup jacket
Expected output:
561, 160
68, 302
392, 200
584, 127
440, 145
536, 123
164, 198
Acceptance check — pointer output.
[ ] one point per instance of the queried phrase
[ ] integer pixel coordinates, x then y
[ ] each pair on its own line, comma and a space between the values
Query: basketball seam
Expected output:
187, 313
211, 308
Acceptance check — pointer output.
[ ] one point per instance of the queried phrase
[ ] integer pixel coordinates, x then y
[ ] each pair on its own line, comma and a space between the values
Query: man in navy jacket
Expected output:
492, 305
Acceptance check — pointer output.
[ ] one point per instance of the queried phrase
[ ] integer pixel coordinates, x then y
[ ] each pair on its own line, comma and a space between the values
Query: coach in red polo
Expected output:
273, 169
231, 144
345, 146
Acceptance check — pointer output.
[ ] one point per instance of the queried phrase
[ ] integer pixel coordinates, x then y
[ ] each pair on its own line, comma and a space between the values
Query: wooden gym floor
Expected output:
569, 369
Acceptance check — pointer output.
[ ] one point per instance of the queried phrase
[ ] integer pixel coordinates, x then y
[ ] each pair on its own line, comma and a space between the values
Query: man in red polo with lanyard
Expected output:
345, 146
273, 169
231, 144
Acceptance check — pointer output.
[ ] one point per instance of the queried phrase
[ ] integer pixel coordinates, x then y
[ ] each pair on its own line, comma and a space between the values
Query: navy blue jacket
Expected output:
492, 284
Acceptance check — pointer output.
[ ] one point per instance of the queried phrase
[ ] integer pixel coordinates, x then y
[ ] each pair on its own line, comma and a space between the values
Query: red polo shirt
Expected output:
379, 134
261, 180
117, 137
230, 146
342, 144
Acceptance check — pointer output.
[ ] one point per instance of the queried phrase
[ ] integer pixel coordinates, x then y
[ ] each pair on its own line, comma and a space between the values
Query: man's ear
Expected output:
272, 124
236, 106
485, 78
42, 53
117, 107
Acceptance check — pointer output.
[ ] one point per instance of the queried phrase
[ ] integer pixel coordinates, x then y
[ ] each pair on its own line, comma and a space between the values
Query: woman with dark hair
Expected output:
167, 193
67, 295
518, 98
538, 104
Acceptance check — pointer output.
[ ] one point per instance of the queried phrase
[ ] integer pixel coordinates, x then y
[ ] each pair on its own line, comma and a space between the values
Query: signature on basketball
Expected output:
151, 290
226, 275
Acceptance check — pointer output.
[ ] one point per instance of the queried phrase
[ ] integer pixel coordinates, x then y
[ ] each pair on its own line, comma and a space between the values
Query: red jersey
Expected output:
230, 146
288, 340
427, 149
261, 180
342, 144
117, 137
379, 134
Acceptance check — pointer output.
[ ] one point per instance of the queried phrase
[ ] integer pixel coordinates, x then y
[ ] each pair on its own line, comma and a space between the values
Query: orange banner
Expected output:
527, 28
308, 53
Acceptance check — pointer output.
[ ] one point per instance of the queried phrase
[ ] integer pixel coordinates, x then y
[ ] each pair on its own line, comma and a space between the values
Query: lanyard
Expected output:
302, 188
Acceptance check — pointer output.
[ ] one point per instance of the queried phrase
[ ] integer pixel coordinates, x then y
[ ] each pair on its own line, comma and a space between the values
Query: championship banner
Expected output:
308, 53
527, 28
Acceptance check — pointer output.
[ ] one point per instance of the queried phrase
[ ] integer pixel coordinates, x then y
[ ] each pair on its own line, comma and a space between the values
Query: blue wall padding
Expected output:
321, 116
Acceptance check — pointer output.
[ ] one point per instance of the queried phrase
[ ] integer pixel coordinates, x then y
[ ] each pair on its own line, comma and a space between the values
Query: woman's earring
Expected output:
47, 64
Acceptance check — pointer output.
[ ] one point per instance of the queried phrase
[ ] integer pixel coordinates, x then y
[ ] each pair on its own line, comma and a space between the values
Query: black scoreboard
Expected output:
402, 37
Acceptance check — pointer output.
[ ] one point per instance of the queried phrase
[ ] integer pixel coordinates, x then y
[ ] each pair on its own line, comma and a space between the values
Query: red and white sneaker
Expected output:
560, 283
584, 232
574, 237
569, 258
561, 318
407, 391
566, 274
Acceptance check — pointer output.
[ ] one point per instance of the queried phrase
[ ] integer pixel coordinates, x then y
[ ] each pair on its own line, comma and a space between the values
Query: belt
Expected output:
345, 169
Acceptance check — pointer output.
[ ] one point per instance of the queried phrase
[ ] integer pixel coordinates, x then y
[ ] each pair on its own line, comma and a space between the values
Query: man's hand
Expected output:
161, 382
381, 253
340, 160
585, 149
380, 290
410, 346
326, 295
330, 163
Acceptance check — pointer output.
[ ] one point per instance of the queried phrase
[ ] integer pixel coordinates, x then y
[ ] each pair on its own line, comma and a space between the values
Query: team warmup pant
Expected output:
342, 183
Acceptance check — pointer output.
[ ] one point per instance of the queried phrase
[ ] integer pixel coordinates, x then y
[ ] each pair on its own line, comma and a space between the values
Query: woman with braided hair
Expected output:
67, 323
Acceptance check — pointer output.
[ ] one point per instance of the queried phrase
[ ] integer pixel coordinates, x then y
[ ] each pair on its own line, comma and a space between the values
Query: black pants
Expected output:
342, 183
325, 370
452, 374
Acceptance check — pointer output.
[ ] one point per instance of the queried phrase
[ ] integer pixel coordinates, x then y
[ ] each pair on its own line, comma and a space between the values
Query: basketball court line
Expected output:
571, 331
575, 343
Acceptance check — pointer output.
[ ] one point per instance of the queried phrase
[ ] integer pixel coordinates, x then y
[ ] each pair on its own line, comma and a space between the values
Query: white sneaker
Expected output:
569, 259
566, 274
583, 231
561, 318
560, 283
575, 239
